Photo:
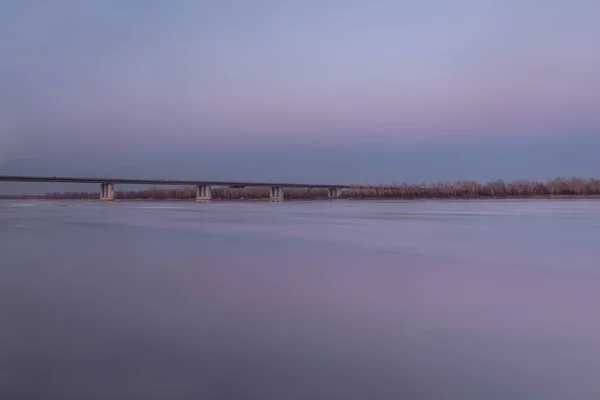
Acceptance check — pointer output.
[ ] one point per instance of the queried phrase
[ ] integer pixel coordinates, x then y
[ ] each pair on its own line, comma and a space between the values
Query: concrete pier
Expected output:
107, 192
203, 193
334, 192
276, 193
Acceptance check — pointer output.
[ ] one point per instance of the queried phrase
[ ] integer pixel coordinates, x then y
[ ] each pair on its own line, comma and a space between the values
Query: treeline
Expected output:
574, 186
461, 189
187, 193
22, 197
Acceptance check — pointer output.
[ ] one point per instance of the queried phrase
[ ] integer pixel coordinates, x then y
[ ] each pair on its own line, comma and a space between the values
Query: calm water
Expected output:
316, 300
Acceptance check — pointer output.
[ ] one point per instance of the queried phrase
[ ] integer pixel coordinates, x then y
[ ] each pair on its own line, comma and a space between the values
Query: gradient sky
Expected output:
347, 91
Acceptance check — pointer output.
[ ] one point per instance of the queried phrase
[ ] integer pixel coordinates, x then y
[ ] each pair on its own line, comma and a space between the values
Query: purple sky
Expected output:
345, 91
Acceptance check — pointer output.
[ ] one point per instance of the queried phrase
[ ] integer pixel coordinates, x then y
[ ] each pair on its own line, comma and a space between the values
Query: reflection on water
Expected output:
300, 300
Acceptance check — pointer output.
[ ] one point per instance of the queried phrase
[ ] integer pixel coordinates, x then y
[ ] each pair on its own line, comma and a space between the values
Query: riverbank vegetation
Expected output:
443, 190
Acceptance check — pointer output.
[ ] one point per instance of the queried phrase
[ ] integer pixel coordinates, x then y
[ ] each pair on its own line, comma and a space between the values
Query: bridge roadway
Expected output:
203, 192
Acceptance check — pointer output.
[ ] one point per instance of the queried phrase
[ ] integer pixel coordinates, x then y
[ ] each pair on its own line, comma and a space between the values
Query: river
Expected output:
300, 300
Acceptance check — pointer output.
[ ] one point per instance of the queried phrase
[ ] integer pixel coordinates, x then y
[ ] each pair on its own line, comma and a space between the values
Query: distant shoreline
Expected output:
168, 199
558, 188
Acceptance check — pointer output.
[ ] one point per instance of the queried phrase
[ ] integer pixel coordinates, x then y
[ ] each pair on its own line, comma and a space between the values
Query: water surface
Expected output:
300, 300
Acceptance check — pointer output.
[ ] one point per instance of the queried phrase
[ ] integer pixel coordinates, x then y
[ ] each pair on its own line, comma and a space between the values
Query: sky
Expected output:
352, 91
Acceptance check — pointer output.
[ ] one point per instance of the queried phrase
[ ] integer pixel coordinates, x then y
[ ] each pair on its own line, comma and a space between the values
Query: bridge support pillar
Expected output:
334, 193
107, 191
276, 193
203, 193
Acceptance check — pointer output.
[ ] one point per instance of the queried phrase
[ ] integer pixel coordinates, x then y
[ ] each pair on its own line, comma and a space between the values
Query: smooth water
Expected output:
300, 300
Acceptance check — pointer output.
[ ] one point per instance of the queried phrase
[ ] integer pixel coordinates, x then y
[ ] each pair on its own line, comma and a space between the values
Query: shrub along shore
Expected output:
559, 187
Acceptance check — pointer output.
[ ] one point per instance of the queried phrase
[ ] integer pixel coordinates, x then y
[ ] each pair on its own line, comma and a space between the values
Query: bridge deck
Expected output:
133, 181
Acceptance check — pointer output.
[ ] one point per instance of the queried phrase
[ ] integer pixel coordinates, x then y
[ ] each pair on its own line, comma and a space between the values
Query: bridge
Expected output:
203, 188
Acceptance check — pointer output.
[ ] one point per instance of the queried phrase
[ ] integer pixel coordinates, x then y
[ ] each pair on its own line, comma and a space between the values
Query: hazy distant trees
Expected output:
573, 186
